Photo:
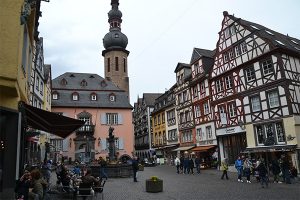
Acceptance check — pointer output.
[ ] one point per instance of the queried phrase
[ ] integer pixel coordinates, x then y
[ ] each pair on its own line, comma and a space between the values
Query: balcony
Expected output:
86, 129
141, 146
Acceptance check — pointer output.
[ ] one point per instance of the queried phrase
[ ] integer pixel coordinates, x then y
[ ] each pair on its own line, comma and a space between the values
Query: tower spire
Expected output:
115, 53
115, 16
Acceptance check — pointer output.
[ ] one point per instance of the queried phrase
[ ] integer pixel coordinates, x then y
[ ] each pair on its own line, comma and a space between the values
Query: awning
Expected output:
274, 148
183, 148
47, 121
203, 148
166, 146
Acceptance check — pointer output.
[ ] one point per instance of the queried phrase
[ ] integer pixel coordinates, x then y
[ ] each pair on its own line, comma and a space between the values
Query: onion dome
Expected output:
115, 38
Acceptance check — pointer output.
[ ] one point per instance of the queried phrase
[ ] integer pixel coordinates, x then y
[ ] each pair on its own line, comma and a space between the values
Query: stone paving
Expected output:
206, 185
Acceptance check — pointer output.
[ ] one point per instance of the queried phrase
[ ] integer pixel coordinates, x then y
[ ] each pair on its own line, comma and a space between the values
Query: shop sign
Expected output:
230, 130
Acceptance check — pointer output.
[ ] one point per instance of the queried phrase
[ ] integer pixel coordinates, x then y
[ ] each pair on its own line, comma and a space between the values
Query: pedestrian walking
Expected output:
263, 172
247, 169
103, 165
186, 168
239, 167
46, 170
276, 170
224, 168
197, 163
158, 161
191, 166
135, 168
181, 164
177, 164
285, 167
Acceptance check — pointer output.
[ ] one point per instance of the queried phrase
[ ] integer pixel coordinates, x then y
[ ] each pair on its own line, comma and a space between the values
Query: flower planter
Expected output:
154, 186
141, 167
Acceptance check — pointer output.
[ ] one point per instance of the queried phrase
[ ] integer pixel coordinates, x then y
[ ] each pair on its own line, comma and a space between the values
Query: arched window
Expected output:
94, 97
75, 96
55, 95
83, 83
103, 83
112, 97
63, 82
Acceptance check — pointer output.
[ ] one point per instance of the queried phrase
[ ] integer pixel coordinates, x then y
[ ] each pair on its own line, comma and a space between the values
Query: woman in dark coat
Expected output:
263, 173
191, 165
276, 171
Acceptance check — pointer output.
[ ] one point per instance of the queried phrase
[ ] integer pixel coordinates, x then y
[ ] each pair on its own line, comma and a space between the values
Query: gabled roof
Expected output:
181, 66
198, 53
149, 98
275, 38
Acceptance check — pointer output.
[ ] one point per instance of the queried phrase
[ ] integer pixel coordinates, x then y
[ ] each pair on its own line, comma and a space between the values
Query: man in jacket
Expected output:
197, 163
239, 167
135, 168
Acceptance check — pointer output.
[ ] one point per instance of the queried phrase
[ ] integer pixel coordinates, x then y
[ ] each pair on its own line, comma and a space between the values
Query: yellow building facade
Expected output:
18, 19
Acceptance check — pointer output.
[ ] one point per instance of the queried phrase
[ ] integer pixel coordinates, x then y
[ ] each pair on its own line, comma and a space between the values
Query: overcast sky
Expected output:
161, 33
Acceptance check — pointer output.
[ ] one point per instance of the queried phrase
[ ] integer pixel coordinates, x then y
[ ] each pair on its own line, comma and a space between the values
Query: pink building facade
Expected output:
98, 102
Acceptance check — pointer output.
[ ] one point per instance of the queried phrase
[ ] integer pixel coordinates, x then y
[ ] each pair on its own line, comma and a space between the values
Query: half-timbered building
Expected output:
201, 63
142, 120
163, 115
255, 86
184, 108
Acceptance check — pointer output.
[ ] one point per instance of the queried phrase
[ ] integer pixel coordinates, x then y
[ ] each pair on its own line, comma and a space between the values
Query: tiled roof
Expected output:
149, 98
95, 85
181, 66
198, 53
94, 82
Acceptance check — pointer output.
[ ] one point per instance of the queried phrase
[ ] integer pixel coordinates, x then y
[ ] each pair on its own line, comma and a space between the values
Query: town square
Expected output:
137, 99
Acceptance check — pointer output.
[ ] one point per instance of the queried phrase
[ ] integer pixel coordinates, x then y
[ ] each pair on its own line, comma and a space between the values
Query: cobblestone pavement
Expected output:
206, 185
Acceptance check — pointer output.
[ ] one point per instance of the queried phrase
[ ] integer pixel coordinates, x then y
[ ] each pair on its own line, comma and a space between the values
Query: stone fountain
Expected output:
114, 168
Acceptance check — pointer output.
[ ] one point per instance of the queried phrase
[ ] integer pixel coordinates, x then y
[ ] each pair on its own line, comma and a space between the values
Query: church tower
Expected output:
115, 53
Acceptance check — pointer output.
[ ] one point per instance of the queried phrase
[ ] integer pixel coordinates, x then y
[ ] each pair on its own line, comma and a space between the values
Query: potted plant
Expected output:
154, 184
141, 167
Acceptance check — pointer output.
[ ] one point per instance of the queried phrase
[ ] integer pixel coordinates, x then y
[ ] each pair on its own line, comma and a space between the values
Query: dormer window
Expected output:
75, 96
93, 97
103, 83
293, 41
83, 83
54, 95
63, 81
112, 97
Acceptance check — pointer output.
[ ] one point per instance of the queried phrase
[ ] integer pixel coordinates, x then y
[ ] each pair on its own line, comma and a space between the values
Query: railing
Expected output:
86, 129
